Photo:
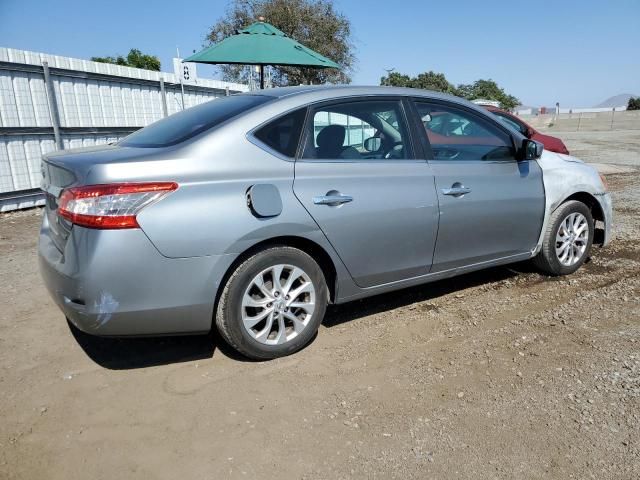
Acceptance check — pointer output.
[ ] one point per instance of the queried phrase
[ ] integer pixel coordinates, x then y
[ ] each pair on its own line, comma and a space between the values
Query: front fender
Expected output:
564, 176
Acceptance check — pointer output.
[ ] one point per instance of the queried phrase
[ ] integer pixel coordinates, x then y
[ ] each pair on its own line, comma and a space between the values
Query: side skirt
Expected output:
432, 277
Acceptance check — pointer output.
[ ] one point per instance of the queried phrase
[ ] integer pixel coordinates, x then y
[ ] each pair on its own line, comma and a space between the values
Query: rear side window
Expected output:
283, 134
188, 123
369, 129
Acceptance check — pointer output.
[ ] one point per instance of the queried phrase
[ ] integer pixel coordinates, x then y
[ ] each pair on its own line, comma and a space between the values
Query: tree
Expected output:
488, 90
634, 103
395, 79
480, 89
135, 59
428, 81
314, 23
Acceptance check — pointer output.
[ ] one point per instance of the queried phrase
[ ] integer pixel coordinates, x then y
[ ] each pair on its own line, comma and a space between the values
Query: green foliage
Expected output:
428, 81
480, 89
634, 103
314, 23
135, 59
488, 90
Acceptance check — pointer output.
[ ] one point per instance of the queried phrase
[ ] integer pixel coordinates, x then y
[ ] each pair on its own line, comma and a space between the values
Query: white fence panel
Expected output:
97, 103
8, 107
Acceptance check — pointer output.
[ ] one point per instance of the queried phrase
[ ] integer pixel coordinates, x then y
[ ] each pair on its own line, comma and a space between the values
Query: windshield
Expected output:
188, 123
509, 122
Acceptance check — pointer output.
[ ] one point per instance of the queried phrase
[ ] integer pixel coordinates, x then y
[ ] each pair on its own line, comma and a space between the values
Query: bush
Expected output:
135, 59
634, 104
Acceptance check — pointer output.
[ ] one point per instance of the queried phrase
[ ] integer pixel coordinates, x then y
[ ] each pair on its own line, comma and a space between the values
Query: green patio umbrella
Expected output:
261, 44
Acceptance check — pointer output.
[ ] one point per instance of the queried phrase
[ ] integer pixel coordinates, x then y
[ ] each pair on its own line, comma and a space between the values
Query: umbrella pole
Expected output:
261, 77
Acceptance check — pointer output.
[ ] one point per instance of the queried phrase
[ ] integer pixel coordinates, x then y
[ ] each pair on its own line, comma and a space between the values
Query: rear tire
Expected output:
273, 303
567, 240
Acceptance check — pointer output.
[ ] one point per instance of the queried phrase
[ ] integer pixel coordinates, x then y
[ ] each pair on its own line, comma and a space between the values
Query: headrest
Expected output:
331, 137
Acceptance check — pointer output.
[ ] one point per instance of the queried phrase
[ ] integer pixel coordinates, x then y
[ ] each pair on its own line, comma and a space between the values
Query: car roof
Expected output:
315, 93
286, 99
350, 90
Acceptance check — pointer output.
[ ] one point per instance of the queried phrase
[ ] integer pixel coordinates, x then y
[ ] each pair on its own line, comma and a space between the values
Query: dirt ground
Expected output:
501, 374
618, 147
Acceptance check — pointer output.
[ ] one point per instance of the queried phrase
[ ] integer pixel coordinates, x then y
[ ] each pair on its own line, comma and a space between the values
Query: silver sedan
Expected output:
253, 212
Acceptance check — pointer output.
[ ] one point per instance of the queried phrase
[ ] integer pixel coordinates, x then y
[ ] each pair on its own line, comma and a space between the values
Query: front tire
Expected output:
567, 241
273, 303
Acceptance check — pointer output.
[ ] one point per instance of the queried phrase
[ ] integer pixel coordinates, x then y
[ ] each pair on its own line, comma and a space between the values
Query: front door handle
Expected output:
333, 199
456, 190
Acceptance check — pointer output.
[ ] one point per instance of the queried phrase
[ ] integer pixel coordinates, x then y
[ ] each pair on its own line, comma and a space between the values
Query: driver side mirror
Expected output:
531, 149
372, 144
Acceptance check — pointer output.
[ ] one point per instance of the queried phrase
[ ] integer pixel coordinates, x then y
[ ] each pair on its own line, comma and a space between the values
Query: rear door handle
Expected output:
456, 190
333, 199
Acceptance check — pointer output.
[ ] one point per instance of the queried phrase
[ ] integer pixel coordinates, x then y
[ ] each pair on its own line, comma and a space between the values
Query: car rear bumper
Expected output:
115, 282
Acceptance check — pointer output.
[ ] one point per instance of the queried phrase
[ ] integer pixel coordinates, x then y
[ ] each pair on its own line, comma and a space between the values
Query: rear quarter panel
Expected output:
209, 213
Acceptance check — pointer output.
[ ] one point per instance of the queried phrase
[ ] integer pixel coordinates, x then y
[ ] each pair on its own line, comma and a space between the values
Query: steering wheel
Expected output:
396, 147
445, 153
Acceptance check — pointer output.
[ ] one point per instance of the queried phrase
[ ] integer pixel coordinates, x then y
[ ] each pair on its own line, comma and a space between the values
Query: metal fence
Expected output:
49, 102
587, 121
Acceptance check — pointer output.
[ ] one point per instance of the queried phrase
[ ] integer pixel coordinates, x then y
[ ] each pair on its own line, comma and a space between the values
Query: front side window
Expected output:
363, 130
456, 134
283, 133
186, 124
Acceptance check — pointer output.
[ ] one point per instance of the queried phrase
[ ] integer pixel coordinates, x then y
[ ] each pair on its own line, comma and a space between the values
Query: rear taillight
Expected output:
110, 206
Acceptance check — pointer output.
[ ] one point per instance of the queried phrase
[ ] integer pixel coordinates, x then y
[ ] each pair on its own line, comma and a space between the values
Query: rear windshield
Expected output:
183, 125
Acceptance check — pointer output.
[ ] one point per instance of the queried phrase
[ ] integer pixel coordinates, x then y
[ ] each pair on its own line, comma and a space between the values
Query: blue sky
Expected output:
575, 52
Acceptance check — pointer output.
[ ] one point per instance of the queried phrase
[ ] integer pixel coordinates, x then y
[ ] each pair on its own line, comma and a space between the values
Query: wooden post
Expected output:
613, 113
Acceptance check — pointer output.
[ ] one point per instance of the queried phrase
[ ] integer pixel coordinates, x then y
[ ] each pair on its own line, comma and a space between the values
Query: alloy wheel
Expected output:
278, 304
572, 239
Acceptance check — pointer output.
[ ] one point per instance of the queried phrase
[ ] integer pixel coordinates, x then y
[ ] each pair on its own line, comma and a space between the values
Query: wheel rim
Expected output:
572, 239
278, 304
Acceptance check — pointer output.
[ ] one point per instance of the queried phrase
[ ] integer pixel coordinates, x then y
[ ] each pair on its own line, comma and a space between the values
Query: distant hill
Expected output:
616, 101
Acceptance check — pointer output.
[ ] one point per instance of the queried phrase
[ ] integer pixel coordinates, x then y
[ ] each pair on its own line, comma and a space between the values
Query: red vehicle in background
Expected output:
552, 144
